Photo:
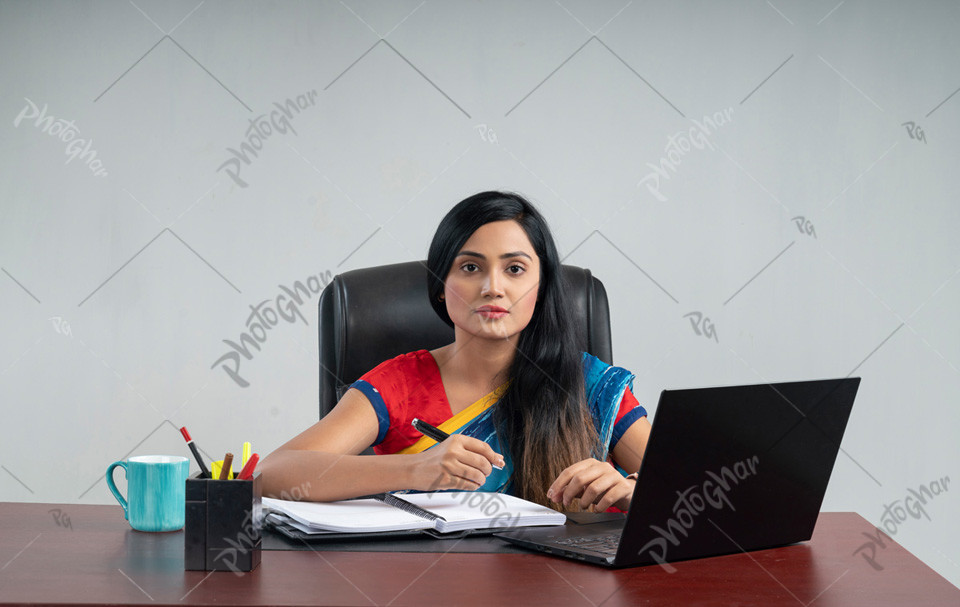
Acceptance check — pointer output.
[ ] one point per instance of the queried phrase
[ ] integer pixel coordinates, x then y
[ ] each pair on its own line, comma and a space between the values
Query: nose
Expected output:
493, 285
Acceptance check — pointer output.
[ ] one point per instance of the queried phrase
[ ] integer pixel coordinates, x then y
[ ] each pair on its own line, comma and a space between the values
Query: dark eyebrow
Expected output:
504, 256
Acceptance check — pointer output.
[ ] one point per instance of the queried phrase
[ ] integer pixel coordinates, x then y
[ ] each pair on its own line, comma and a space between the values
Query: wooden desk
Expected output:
99, 559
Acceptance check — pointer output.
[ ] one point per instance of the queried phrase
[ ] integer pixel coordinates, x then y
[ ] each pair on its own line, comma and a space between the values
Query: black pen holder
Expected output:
222, 529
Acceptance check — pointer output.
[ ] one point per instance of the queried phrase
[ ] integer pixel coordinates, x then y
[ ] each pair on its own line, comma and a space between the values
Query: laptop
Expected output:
726, 470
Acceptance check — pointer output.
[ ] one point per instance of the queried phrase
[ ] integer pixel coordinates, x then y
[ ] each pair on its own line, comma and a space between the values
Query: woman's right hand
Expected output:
460, 462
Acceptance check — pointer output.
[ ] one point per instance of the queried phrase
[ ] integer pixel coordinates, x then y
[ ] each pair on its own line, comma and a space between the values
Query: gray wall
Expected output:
790, 207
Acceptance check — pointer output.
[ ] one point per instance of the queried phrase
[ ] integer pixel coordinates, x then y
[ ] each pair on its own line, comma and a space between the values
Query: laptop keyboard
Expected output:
605, 544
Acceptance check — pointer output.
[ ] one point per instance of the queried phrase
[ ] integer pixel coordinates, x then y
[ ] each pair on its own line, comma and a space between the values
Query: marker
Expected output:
225, 466
204, 473
435, 433
215, 467
247, 472
245, 454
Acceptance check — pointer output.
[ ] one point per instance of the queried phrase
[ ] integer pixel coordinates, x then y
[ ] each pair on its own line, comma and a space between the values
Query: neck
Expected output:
479, 361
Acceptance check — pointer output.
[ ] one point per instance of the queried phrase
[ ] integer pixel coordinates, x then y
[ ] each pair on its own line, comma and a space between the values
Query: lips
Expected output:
492, 312
491, 309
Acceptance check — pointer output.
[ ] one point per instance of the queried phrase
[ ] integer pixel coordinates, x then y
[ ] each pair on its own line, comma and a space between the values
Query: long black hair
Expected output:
542, 416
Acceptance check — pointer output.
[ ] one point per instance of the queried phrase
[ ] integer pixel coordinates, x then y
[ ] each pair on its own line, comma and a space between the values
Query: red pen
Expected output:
247, 472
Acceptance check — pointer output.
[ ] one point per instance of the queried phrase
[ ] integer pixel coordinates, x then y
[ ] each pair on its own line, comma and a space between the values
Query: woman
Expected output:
529, 413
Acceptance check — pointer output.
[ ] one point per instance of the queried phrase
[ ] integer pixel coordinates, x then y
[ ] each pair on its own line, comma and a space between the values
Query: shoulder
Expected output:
412, 363
589, 360
592, 362
399, 388
598, 373
392, 383
594, 366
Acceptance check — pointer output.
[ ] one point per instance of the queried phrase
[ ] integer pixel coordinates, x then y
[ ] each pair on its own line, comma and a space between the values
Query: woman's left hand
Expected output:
595, 483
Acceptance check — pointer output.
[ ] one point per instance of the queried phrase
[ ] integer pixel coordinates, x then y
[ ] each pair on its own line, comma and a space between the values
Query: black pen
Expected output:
204, 473
435, 433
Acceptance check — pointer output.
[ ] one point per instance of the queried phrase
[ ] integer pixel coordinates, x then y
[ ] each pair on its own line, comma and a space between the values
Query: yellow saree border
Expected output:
458, 421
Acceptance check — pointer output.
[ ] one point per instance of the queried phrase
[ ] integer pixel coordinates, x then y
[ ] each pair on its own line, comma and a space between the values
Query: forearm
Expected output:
324, 477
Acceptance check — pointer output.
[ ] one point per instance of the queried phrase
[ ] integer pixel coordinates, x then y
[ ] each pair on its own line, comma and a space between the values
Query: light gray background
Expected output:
118, 290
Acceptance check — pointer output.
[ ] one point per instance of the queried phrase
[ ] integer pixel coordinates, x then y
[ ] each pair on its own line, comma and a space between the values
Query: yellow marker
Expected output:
244, 455
215, 469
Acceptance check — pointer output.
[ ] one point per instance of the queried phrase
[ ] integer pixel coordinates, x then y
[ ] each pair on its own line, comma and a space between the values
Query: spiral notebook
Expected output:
440, 513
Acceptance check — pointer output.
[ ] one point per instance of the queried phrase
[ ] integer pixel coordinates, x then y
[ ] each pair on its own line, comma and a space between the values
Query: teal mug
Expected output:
156, 486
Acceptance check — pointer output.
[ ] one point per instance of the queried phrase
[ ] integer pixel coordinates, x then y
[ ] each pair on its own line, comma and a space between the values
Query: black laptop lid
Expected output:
747, 468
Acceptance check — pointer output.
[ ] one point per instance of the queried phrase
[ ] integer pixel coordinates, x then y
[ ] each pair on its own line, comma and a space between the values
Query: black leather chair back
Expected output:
373, 314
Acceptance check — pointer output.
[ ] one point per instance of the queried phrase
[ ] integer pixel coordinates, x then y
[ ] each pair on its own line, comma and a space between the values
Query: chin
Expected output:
488, 331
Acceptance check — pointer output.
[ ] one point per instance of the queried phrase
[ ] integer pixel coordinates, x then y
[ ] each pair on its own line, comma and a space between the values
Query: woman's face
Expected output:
491, 290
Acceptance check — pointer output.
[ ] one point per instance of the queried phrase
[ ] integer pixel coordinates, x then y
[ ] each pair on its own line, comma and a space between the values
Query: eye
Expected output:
469, 267
516, 269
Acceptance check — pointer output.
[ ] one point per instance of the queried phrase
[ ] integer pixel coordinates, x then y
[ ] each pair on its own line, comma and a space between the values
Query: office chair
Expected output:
373, 314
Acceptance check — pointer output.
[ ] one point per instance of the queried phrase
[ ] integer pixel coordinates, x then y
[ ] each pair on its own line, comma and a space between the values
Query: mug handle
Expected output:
113, 487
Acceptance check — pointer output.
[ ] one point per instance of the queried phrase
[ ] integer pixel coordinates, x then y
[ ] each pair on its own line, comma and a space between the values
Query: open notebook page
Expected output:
367, 515
480, 510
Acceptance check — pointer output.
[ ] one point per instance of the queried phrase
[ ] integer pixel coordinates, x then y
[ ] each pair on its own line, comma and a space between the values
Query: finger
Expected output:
578, 483
620, 490
596, 492
460, 453
559, 487
587, 484
614, 495
560, 484
469, 473
478, 446
476, 461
